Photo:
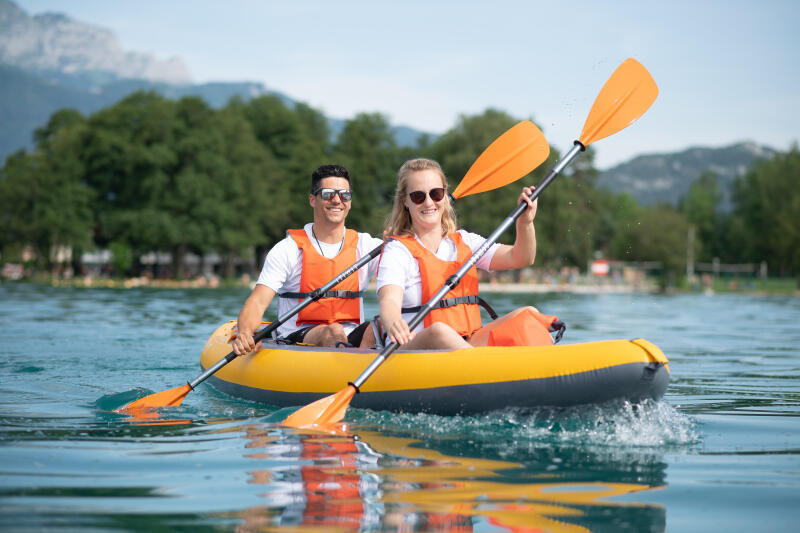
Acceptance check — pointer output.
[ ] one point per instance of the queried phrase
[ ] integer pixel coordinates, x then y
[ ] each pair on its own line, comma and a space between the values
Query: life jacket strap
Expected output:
326, 294
558, 326
450, 302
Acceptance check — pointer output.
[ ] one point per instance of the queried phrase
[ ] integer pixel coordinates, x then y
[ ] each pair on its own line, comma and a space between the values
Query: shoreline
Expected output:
538, 288
498, 287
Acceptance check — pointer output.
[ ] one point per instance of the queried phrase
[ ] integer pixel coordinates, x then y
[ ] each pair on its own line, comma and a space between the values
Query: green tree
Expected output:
657, 234
701, 207
311, 150
276, 126
44, 202
366, 146
766, 218
624, 211
569, 216
255, 202
129, 154
297, 140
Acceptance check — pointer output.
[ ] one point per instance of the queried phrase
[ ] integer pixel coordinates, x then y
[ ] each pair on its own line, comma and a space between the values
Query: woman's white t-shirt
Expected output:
283, 266
398, 267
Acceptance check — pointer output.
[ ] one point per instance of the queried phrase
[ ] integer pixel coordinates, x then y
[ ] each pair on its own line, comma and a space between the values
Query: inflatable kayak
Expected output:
441, 381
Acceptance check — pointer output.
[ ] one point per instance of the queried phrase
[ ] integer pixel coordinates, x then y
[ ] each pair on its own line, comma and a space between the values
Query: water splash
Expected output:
649, 424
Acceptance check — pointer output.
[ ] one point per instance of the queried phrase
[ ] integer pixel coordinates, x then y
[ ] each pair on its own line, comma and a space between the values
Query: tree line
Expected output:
154, 174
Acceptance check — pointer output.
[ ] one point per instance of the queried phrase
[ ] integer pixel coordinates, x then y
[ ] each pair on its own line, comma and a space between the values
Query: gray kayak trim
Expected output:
631, 381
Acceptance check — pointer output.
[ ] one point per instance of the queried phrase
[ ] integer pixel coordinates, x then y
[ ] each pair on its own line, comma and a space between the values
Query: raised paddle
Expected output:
625, 97
512, 155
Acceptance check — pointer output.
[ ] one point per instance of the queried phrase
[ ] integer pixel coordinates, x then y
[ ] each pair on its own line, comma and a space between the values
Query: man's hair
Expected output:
328, 171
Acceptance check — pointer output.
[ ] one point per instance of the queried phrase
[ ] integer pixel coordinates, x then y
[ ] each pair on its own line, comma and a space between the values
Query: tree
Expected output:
45, 203
657, 234
297, 140
366, 146
129, 154
569, 215
701, 207
255, 201
766, 218
42, 207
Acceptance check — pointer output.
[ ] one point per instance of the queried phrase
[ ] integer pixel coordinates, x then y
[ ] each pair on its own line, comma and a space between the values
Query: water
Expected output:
719, 453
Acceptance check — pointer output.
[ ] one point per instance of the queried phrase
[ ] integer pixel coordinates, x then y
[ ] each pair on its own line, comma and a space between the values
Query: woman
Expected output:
425, 249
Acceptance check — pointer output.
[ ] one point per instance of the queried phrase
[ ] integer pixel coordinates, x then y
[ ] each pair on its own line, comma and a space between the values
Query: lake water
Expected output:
720, 452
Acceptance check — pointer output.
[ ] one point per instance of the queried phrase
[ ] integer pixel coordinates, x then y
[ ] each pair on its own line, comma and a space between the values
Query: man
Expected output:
307, 259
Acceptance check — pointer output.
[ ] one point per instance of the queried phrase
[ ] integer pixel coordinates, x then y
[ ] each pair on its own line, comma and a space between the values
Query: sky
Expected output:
727, 71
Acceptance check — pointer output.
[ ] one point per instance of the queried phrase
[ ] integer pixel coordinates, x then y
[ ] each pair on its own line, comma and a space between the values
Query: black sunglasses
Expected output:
327, 194
419, 196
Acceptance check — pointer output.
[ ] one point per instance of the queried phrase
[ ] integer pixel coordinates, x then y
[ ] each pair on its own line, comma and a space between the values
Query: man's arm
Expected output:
250, 318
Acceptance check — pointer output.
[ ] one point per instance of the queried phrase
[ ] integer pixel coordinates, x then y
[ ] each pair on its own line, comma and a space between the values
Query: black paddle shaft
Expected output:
454, 280
313, 297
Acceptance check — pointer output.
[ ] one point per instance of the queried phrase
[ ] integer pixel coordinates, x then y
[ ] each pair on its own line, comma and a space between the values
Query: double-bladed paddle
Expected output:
510, 157
625, 97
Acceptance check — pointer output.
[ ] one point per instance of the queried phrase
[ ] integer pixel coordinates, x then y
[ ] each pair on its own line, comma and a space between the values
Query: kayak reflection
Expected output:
372, 481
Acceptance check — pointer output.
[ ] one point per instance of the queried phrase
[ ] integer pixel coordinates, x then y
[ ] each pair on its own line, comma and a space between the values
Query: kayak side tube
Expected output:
445, 382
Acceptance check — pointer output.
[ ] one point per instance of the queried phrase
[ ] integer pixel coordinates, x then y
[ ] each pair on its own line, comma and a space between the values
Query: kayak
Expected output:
444, 382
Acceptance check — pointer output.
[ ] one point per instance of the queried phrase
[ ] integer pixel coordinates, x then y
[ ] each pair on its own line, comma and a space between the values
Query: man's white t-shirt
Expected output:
283, 266
398, 266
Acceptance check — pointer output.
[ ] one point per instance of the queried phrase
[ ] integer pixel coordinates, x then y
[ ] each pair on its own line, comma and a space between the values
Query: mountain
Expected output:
28, 99
54, 43
667, 177
49, 62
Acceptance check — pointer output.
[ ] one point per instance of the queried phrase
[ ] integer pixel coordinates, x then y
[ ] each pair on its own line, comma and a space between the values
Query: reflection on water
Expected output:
375, 481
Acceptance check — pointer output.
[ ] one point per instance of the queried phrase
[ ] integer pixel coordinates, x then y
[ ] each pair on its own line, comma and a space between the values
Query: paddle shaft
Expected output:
453, 280
313, 297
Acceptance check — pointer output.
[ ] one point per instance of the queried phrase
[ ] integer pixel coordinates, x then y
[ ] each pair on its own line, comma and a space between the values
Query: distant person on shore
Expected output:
307, 259
425, 248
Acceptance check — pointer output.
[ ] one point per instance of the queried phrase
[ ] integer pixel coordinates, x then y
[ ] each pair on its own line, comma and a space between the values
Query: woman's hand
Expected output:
398, 332
390, 299
523, 253
530, 213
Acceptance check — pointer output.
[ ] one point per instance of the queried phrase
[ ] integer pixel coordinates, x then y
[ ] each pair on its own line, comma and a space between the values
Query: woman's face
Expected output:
428, 214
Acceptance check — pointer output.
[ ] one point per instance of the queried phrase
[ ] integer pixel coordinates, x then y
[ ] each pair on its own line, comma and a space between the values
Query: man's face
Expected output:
334, 210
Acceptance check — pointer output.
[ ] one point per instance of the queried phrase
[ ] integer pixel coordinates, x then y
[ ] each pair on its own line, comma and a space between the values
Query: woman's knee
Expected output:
442, 330
519, 311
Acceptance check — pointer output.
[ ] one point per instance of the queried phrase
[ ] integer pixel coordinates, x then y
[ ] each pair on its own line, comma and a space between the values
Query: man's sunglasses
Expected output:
327, 194
419, 196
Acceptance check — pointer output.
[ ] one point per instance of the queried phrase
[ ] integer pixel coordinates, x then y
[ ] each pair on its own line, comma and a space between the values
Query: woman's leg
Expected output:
437, 336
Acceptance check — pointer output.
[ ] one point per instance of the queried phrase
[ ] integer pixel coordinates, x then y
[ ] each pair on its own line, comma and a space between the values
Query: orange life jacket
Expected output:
340, 304
459, 307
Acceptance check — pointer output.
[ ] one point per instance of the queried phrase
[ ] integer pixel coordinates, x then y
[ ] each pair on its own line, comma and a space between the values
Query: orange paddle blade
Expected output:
165, 398
512, 155
625, 97
323, 412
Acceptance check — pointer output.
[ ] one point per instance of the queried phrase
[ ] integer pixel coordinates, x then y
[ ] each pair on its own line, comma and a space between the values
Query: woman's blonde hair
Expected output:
399, 220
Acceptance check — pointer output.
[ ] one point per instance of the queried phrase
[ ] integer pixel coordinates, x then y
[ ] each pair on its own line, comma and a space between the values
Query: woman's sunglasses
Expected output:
327, 194
419, 196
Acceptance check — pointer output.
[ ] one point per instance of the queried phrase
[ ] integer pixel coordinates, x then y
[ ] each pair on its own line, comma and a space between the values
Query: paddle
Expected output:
512, 155
625, 97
